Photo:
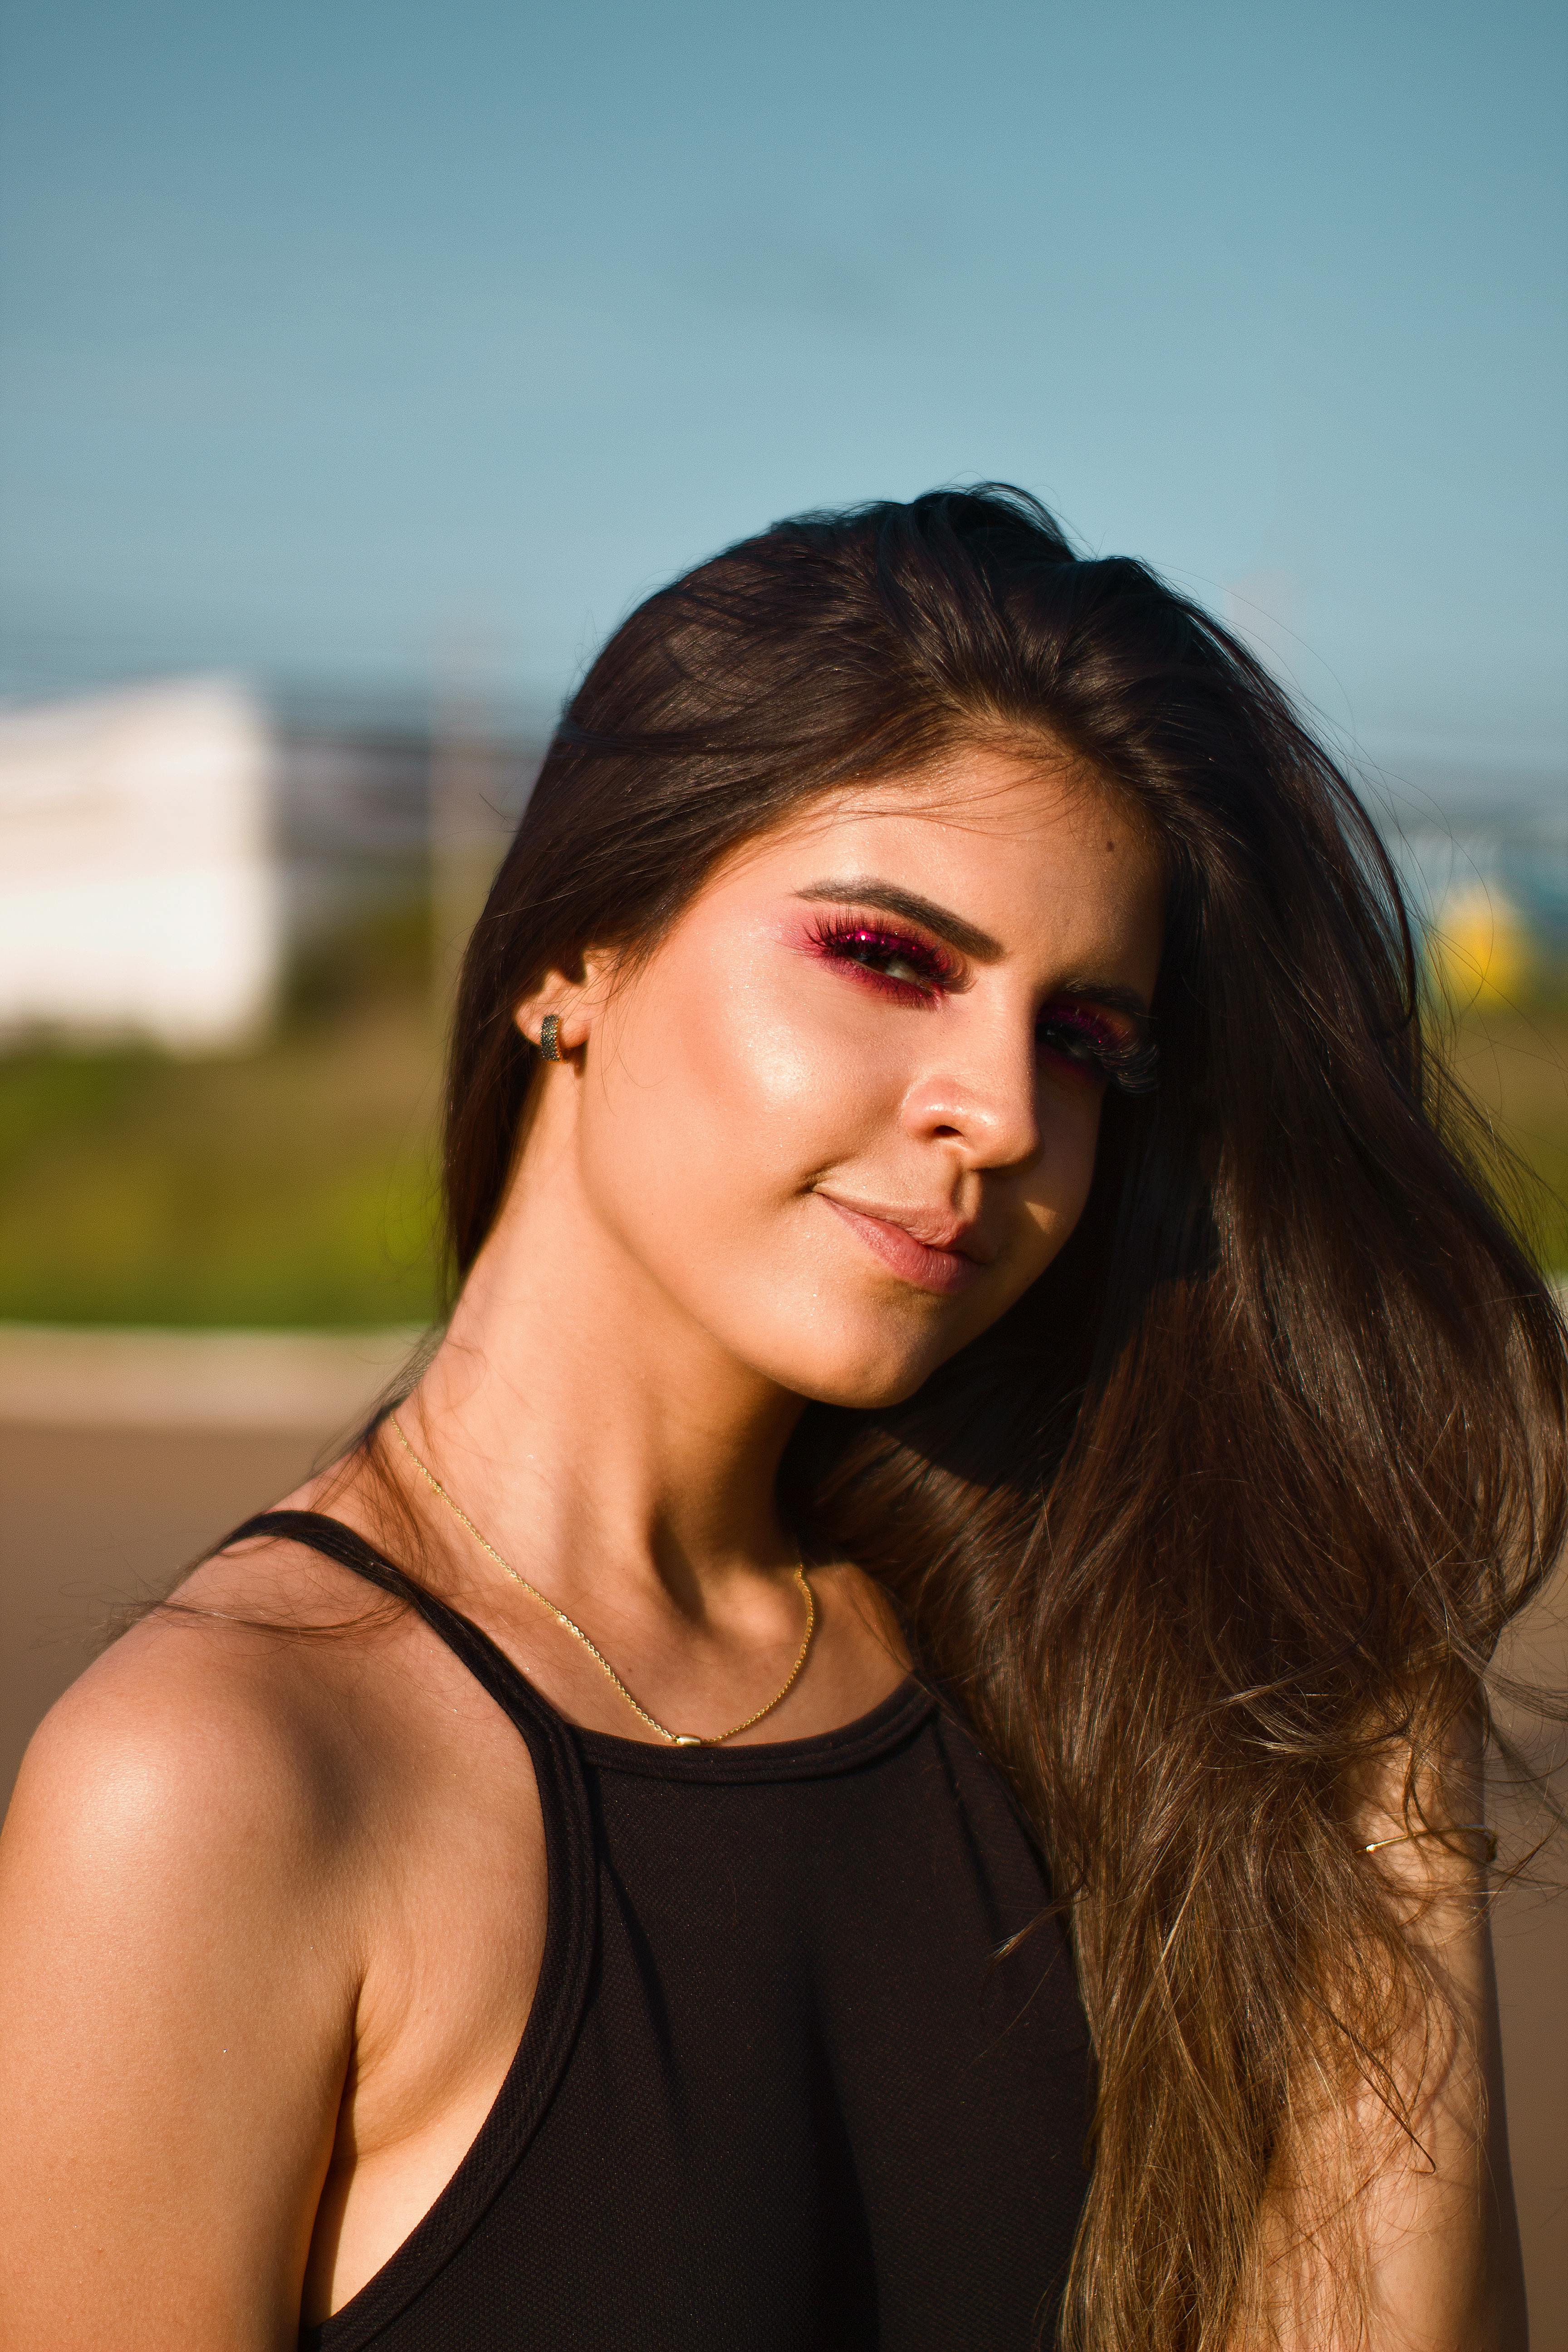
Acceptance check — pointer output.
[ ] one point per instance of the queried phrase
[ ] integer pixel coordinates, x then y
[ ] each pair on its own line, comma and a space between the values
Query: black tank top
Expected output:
787, 2085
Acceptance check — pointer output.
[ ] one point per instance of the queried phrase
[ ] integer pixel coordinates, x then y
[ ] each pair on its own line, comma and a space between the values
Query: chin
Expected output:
865, 1378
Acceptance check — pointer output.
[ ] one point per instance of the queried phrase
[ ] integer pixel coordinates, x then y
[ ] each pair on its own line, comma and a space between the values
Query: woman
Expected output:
985, 1440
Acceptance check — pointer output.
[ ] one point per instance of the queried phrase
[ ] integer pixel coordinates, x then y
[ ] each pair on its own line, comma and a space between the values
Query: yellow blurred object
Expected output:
1480, 946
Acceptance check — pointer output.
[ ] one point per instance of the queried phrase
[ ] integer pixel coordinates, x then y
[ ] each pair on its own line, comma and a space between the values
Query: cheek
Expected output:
781, 1044
718, 1085
1060, 1193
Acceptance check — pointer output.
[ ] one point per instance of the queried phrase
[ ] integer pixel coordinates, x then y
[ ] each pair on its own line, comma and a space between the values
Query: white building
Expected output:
141, 885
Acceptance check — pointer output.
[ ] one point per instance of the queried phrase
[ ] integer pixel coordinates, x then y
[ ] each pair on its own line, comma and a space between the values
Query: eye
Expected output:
906, 967
1077, 1034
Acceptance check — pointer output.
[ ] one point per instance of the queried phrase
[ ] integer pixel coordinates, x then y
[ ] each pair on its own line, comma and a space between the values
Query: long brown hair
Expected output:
1243, 1492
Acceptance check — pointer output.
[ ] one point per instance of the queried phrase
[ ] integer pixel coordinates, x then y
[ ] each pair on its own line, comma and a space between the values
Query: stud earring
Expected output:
549, 1037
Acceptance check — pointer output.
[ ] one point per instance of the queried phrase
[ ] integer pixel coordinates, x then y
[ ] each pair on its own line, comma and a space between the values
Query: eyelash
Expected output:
1126, 1063
845, 942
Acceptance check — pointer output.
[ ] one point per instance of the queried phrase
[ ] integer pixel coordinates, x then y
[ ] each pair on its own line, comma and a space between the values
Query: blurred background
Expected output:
360, 368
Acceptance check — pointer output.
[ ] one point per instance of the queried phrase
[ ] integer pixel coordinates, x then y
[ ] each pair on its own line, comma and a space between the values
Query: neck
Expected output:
586, 1425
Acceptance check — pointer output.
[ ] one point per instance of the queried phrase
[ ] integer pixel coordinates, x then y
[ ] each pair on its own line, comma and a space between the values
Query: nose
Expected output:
983, 1097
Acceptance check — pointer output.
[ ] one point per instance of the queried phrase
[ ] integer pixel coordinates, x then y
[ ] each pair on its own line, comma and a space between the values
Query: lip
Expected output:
923, 1248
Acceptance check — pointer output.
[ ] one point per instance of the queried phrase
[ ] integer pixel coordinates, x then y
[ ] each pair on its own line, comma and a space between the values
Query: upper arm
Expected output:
176, 2003
1425, 2191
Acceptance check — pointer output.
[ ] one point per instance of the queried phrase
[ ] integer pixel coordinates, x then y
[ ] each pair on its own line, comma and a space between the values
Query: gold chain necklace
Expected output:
675, 1739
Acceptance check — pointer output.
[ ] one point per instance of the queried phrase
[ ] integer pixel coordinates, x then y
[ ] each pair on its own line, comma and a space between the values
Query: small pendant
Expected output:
687, 1740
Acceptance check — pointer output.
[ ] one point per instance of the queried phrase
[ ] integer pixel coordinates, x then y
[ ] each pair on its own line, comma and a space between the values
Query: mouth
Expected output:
933, 1250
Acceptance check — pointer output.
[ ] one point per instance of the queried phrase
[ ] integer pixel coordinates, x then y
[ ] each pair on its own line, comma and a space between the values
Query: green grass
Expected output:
291, 1186
1513, 1061
296, 1185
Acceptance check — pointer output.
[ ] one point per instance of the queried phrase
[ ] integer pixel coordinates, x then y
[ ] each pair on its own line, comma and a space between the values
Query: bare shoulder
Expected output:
186, 1784
276, 1755
267, 1868
221, 1715
182, 1945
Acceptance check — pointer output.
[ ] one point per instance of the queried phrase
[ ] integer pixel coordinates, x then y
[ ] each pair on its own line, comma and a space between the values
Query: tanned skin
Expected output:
272, 1902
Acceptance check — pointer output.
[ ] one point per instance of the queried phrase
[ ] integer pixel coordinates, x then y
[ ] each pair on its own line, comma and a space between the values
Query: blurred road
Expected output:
95, 1516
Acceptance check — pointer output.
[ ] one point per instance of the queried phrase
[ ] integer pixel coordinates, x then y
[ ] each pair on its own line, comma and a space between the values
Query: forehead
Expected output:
1031, 847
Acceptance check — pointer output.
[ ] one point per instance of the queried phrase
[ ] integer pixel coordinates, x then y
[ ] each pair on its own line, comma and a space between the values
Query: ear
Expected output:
576, 1002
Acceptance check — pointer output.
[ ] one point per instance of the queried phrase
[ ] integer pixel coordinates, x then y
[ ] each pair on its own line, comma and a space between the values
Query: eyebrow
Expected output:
864, 890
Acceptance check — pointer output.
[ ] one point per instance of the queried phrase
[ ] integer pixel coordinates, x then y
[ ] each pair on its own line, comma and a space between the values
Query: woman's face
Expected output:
847, 1111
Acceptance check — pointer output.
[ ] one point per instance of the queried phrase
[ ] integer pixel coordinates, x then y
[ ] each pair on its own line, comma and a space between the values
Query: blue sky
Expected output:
346, 343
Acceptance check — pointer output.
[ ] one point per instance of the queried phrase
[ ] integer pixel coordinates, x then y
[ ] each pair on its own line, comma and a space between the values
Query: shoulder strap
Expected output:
489, 1665
571, 1931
